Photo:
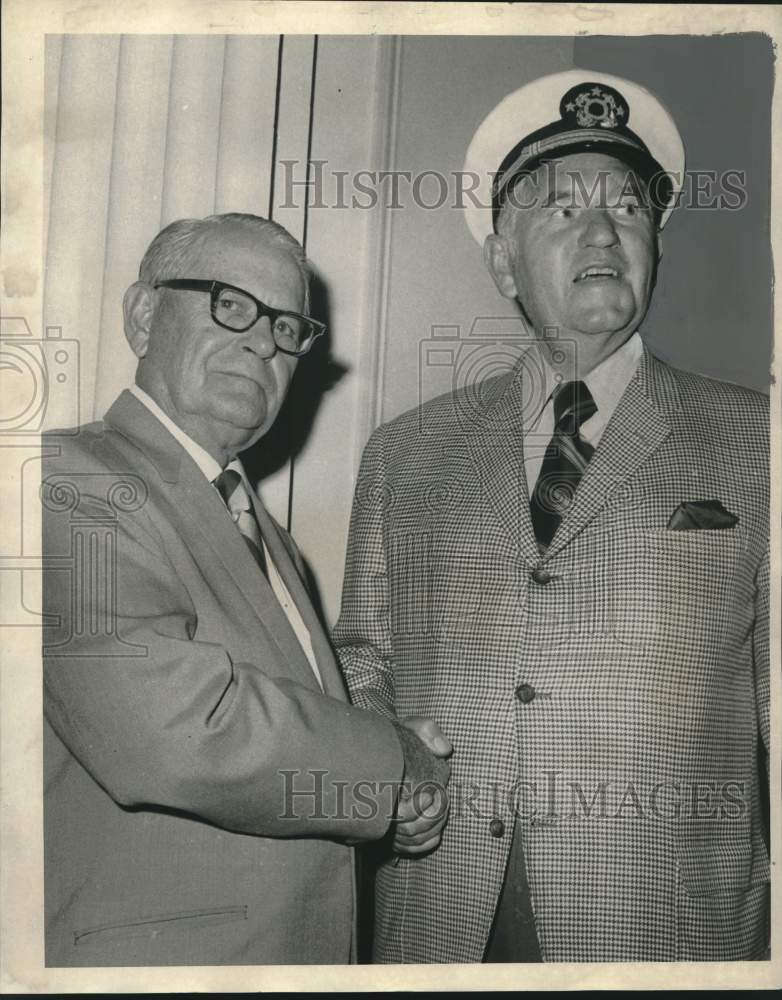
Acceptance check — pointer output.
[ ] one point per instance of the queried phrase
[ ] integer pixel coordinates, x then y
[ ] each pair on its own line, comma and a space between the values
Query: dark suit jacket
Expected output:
176, 697
612, 696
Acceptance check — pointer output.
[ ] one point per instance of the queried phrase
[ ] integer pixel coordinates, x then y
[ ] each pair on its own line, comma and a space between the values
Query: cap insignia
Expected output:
595, 105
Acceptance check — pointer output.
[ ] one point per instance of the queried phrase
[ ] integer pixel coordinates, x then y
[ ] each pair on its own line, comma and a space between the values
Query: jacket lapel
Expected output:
202, 510
332, 679
637, 428
496, 447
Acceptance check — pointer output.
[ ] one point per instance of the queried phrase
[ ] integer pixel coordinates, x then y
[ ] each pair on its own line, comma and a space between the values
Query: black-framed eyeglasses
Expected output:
237, 310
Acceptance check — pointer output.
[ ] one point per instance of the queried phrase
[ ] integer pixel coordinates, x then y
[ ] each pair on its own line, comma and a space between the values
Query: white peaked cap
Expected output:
604, 113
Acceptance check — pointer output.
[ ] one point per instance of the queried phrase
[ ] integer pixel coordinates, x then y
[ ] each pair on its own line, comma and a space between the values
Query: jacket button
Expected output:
497, 828
525, 693
541, 576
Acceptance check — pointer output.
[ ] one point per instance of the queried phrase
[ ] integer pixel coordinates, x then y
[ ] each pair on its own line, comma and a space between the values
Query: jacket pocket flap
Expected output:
707, 867
154, 925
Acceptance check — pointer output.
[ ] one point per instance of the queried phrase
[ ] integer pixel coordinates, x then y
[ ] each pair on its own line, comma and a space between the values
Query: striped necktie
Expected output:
231, 488
566, 458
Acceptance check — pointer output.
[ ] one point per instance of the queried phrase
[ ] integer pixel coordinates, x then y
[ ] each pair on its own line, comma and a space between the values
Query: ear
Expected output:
498, 259
138, 307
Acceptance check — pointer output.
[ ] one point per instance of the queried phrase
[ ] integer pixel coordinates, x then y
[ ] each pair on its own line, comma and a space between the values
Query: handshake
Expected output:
422, 807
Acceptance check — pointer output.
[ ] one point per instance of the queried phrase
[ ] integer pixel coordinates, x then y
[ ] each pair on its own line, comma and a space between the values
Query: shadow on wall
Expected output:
316, 375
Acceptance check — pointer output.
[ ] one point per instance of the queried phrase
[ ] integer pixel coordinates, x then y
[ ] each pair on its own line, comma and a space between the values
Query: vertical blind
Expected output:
143, 130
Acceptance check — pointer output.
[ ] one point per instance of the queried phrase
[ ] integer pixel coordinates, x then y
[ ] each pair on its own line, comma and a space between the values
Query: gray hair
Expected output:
505, 220
177, 248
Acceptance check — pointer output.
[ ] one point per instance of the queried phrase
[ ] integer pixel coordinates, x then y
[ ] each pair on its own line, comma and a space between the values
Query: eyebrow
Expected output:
557, 195
569, 194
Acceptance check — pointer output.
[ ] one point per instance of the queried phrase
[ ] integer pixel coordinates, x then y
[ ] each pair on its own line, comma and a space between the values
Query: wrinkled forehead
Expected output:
241, 257
232, 243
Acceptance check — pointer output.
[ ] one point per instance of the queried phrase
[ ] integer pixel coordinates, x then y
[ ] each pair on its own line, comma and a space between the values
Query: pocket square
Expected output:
693, 515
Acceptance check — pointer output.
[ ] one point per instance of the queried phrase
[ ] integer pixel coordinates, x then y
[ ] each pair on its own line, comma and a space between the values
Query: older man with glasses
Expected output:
205, 773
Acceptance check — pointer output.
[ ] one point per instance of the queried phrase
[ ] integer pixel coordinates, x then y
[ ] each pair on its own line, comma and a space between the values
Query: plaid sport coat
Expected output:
610, 696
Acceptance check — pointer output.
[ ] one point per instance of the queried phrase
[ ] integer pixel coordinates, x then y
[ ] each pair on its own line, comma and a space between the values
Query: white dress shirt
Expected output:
211, 469
607, 383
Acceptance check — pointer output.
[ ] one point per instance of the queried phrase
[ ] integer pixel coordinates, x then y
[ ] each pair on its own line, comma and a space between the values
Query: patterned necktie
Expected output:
566, 458
231, 488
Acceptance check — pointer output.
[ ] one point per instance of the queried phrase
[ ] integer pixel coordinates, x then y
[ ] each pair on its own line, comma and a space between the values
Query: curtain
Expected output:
140, 131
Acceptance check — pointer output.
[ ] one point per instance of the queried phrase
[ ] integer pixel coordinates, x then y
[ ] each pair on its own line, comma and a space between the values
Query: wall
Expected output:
712, 310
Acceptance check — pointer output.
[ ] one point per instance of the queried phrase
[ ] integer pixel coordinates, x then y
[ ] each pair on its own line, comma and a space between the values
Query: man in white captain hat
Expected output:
567, 569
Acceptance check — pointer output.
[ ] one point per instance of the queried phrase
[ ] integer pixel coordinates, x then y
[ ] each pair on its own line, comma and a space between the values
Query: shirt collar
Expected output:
540, 381
205, 462
606, 382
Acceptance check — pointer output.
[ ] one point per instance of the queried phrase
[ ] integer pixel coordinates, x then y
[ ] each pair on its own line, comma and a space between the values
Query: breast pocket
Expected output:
668, 587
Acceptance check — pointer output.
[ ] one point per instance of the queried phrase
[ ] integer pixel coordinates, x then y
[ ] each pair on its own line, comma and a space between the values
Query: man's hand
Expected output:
422, 809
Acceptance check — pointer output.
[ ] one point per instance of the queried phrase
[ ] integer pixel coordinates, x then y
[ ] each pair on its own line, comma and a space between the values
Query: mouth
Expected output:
257, 381
597, 274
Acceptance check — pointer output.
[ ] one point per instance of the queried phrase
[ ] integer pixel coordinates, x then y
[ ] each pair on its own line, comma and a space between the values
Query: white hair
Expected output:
505, 220
177, 248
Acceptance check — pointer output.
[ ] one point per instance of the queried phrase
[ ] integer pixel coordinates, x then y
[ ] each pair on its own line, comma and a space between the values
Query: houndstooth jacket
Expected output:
610, 696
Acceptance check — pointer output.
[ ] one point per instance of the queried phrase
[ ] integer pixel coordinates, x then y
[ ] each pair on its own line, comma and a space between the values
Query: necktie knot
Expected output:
566, 459
236, 498
573, 405
230, 487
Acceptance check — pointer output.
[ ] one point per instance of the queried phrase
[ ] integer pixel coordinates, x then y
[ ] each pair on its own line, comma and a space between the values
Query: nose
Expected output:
260, 340
598, 229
